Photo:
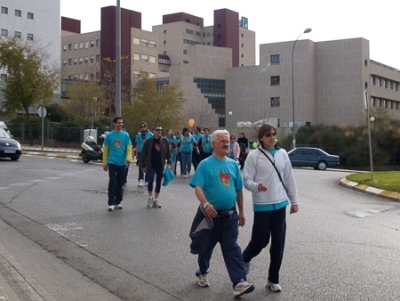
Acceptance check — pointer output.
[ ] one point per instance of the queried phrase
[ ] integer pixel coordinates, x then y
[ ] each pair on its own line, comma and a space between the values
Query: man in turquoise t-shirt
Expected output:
218, 186
117, 153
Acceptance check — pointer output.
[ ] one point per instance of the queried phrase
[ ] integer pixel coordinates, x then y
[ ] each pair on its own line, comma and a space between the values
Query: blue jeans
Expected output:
225, 231
268, 224
117, 178
154, 171
186, 162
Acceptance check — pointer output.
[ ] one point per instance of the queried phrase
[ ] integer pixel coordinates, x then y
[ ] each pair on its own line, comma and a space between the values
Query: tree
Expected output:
30, 81
155, 105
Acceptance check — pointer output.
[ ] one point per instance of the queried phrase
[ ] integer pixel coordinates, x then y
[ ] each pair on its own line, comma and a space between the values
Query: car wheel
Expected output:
85, 159
321, 165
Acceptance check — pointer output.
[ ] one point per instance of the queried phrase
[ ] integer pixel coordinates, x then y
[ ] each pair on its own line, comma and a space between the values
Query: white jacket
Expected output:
258, 169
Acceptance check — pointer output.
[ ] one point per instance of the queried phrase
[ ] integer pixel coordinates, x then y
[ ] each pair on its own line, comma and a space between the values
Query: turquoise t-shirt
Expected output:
220, 180
187, 143
141, 139
206, 144
117, 143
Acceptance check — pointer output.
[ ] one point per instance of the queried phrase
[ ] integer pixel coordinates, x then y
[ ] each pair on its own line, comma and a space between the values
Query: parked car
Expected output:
9, 148
312, 157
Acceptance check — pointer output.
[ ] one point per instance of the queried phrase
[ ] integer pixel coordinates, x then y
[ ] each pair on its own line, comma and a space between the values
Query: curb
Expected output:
58, 155
390, 195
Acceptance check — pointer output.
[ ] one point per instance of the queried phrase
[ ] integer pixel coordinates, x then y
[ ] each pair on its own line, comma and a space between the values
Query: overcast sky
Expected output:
273, 21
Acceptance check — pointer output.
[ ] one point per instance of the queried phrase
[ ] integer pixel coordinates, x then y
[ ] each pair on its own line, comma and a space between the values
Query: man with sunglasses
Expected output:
156, 153
141, 138
269, 176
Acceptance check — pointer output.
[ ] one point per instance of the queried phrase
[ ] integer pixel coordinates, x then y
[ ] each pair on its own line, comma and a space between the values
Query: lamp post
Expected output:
307, 30
230, 113
118, 60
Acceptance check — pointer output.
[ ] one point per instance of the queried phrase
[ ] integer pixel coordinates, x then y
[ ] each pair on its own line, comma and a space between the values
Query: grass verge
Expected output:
386, 180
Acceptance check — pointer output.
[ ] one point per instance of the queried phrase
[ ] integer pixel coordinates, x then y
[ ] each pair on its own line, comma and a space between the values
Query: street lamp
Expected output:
230, 113
293, 110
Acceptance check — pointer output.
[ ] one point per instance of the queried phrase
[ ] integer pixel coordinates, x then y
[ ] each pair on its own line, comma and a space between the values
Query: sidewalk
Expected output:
6, 292
68, 153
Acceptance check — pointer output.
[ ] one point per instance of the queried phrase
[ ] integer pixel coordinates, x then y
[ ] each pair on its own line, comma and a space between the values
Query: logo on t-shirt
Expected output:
225, 178
117, 143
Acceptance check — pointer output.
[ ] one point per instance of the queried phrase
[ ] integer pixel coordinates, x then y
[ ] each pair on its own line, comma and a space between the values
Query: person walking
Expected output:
218, 186
196, 151
141, 138
234, 149
244, 149
186, 147
117, 153
156, 153
205, 144
269, 176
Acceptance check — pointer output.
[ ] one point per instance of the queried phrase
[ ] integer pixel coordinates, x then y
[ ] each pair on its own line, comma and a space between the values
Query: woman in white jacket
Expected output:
271, 193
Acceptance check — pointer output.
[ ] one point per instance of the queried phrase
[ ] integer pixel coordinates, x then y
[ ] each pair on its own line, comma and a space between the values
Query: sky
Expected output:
273, 21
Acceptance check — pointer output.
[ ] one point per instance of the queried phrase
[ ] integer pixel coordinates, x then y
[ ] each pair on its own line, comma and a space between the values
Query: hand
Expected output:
262, 187
144, 169
242, 219
211, 212
105, 167
294, 209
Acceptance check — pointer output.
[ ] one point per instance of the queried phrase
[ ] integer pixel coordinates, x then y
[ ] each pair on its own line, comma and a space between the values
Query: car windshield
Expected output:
4, 134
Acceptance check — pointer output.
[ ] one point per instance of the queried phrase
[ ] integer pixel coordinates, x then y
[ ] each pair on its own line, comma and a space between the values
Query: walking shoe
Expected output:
141, 183
119, 207
156, 204
274, 287
111, 208
150, 202
203, 280
146, 184
185, 176
242, 287
246, 267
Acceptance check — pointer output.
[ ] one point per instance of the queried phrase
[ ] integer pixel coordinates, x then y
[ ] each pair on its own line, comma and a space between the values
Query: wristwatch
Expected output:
205, 205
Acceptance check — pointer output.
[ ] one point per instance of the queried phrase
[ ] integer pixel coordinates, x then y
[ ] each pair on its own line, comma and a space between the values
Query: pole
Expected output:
118, 60
307, 30
369, 134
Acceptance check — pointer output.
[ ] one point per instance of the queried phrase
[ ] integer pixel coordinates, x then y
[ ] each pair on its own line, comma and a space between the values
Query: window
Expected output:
17, 34
4, 10
69, 46
275, 59
91, 76
189, 31
75, 61
136, 41
86, 44
4, 32
80, 60
30, 15
275, 101
65, 47
97, 57
64, 62
18, 13
69, 62
152, 44
98, 43
145, 58
80, 45
165, 42
144, 42
29, 36
184, 51
152, 59
152, 75
136, 56
92, 59
86, 59
75, 46
198, 33
91, 44
275, 80
373, 80
185, 62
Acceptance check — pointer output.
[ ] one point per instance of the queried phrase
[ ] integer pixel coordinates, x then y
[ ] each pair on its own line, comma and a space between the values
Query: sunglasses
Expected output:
158, 130
142, 126
270, 134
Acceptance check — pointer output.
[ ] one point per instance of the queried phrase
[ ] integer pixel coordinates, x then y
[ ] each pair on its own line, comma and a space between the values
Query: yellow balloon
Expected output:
191, 122
255, 144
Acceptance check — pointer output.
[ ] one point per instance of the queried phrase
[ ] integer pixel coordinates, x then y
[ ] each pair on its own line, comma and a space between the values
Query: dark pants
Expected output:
178, 158
242, 159
117, 177
268, 224
141, 174
225, 231
195, 159
158, 173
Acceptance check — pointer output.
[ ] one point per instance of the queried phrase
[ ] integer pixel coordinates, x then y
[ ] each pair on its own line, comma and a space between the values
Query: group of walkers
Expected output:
218, 185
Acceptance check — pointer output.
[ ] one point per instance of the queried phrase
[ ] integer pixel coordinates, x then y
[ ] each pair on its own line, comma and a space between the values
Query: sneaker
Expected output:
150, 202
146, 184
203, 280
185, 176
111, 208
274, 287
246, 267
119, 207
156, 204
141, 183
242, 287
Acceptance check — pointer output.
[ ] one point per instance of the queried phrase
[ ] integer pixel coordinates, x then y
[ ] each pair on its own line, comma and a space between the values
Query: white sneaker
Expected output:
141, 183
119, 207
275, 287
185, 176
243, 288
150, 202
156, 204
203, 280
111, 208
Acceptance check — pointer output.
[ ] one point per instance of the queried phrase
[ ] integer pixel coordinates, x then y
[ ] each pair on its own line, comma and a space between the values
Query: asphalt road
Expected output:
58, 242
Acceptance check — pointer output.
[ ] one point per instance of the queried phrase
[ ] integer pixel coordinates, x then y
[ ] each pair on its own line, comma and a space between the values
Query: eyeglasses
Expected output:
222, 141
158, 130
142, 126
232, 137
270, 134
